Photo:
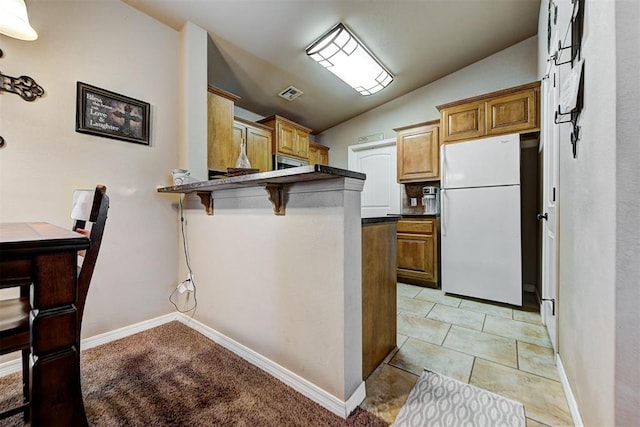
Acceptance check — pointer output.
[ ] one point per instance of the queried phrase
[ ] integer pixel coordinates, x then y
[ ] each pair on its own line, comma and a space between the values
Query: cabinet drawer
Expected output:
423, 226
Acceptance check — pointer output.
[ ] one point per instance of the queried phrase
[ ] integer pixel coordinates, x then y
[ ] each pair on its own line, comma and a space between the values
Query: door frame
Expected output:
549, 304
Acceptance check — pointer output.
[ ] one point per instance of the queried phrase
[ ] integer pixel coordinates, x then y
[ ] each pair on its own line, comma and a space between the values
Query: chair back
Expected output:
94, 210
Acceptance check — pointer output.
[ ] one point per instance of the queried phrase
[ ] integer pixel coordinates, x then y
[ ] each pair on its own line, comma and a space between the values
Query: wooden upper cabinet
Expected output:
463, 122
289, 138
512, 113
221, 153
513, 110
418, 150
318, 154
258, 140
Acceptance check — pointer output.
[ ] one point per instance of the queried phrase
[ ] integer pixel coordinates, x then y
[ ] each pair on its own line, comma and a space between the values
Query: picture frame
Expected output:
108, 114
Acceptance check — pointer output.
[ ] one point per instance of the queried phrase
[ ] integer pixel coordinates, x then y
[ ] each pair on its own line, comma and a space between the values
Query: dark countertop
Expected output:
380, 219
415, 215
283, 176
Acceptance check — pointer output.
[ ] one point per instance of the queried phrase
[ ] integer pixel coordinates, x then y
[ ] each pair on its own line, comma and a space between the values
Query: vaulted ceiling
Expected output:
257, 47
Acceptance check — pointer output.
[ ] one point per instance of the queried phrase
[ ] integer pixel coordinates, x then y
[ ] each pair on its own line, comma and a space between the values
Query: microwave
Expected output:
284, 162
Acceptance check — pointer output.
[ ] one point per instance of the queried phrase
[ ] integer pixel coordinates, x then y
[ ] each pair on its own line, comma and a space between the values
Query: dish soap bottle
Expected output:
243, 160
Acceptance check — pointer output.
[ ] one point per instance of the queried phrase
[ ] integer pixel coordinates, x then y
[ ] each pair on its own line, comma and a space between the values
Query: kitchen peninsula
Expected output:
278, 272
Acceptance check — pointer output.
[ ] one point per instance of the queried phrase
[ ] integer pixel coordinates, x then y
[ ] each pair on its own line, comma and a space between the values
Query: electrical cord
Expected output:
189, 280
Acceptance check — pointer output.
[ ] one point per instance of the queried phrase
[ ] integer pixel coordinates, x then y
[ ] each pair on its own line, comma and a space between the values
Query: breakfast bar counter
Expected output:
283, 291
275, 182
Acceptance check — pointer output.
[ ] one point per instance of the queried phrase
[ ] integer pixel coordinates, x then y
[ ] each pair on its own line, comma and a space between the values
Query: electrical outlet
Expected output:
414, 201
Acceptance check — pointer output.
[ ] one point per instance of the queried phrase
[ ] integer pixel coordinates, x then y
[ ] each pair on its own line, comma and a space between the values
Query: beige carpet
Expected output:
173, 376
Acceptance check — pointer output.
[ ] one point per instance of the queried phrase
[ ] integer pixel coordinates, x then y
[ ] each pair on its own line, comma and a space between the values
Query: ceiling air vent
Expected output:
290, 93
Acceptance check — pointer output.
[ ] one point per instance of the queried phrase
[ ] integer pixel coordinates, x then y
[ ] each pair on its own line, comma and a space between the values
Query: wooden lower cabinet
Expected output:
417, 257
378, 294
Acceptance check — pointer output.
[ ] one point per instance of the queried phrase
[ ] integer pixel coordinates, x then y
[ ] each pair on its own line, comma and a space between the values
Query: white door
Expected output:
381, 193
480, 243
550, 194
481, 162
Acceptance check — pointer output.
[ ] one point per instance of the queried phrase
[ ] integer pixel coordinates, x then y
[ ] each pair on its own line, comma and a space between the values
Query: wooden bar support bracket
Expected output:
207, 201
276, 197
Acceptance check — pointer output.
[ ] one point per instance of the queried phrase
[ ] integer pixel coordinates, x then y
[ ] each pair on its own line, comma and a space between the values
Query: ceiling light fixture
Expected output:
340, 52
14, 21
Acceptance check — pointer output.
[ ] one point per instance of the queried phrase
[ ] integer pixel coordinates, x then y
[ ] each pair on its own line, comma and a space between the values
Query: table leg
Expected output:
56, 394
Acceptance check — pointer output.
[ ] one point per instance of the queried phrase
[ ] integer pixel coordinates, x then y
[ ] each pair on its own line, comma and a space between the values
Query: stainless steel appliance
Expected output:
284, 162
431, 200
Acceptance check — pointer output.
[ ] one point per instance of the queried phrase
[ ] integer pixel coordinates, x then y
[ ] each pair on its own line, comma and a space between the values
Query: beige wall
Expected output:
510, 67
110, 45
596, 198
286, 287
627, 373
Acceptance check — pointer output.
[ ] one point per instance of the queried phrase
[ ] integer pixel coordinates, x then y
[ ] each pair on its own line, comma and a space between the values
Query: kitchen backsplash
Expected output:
414, 190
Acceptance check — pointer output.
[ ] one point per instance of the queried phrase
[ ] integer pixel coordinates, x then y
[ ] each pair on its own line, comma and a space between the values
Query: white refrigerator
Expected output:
480, 219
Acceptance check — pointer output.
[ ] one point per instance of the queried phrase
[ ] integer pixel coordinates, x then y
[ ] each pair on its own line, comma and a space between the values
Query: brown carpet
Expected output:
173, 376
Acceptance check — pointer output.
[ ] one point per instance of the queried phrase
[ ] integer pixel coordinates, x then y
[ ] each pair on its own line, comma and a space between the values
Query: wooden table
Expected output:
45, 256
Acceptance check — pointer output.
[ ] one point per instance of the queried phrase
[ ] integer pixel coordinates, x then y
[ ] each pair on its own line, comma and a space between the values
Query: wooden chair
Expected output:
14, 313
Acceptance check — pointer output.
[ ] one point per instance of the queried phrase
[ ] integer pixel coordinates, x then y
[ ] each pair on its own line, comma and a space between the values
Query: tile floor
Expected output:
499, 348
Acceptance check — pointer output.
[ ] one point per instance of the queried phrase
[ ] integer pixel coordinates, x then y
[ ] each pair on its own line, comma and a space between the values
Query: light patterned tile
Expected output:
521, 331
400, 339
387, 391
534, 423
537, 360
457, 316
423, 329
486, 308
414, 306
527, 316
491, 347
543, 399
436, 295
417, 355
408, 290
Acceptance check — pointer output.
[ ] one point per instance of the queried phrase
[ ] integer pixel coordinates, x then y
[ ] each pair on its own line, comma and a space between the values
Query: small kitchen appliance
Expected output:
431, 200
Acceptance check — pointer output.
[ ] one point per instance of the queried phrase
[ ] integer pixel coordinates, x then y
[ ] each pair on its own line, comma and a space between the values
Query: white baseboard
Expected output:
571, 399
15, 365
313, 392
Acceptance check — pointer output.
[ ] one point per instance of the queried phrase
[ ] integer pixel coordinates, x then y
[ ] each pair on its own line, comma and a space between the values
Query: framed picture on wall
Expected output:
104, 113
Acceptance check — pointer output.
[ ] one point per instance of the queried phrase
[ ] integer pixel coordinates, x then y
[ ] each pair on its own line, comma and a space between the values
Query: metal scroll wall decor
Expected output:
24, 86
576, 62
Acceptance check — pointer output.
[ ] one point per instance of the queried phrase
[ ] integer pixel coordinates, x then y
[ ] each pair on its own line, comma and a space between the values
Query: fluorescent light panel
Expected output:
340, 52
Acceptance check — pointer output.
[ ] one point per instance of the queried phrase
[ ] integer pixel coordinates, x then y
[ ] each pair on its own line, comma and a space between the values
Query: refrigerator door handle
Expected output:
443, 226
443, 169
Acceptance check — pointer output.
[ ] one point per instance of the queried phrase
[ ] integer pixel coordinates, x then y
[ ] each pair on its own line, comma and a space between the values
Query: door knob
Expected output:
542, 216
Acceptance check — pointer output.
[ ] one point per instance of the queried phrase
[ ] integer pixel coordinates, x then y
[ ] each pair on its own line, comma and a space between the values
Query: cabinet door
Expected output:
418, 154
286, 139
323, 156
239, 133
302, 144
463, 122
417, 259
220, 131
259, 149
512, 113
313, 155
